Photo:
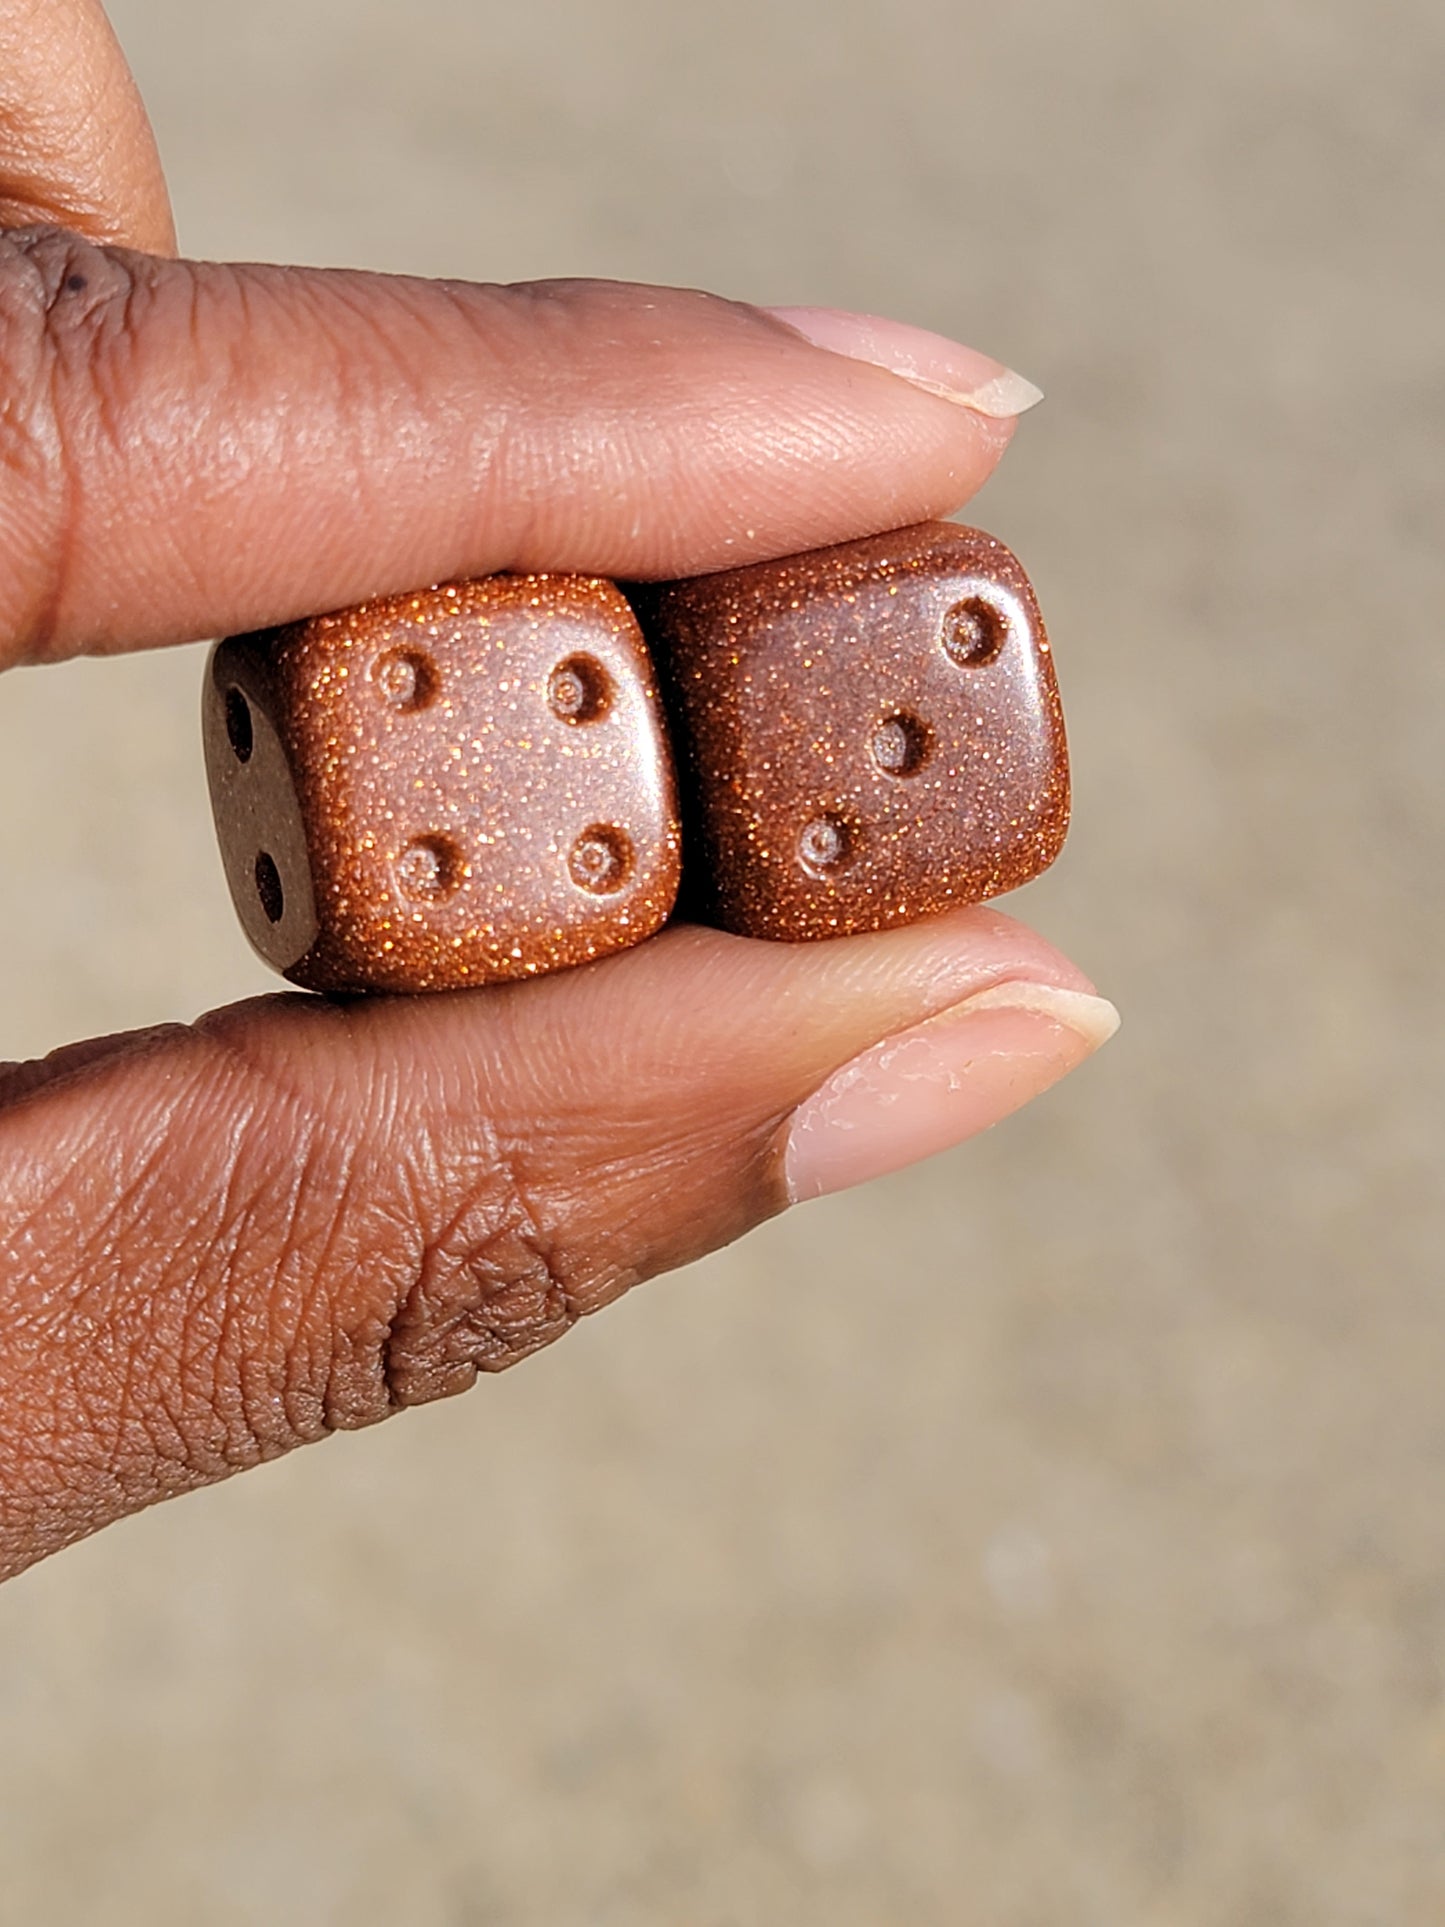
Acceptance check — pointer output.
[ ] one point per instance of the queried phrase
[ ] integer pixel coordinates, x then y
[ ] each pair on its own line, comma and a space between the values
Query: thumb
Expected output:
297, 1217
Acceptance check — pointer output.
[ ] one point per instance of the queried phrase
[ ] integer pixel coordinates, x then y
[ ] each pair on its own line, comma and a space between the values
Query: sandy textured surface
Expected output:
1050, 1535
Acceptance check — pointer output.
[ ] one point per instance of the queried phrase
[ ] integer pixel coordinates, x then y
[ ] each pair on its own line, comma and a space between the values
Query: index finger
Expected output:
193, 449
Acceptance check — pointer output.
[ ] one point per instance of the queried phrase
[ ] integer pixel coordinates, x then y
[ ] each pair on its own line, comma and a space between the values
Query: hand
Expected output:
222, 1240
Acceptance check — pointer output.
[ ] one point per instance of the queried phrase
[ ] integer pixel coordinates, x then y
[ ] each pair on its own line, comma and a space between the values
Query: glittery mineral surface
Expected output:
865, 735
456, 787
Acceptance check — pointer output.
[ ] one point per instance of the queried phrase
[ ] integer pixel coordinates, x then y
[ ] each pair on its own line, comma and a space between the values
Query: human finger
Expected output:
76, 146
194, 449
296, 1217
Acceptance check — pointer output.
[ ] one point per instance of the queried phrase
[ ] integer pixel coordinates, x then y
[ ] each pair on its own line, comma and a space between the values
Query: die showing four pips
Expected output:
493, 779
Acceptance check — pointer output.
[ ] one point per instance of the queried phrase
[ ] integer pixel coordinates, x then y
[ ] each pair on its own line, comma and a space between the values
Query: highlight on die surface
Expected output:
865, 735
456, 787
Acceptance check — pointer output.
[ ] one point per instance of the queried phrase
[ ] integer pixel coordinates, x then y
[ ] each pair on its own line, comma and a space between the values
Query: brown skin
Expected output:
76, 148
220, 1241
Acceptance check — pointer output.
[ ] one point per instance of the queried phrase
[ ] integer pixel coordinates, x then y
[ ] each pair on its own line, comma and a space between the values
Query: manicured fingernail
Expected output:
930, 361
932, 1086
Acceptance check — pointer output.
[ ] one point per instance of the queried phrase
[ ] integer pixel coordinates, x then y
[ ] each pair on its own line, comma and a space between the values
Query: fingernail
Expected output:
930, 361
932, 1086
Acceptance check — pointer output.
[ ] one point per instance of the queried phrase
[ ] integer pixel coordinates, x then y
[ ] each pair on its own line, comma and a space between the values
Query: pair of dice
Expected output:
498, 778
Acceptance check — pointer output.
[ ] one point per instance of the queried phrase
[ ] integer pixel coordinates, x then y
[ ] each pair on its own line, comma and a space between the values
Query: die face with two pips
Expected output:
865, 735
456, 787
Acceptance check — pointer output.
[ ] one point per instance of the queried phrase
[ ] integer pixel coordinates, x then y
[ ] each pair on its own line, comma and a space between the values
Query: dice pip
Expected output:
865, 735
456, 787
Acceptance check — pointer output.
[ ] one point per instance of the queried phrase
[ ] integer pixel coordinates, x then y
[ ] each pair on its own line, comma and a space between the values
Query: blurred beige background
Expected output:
1051, 1535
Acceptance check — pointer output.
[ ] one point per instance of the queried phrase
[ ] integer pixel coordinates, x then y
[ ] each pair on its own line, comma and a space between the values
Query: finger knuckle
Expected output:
397, 1261
69, 314
490, 1289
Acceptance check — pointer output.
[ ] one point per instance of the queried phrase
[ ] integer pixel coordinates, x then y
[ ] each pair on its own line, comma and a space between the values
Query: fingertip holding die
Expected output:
489, 780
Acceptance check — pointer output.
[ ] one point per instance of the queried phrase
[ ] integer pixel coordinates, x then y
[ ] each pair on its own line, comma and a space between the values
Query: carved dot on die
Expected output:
268, 887
825, 846
239, 731
407, 678
430, 868
601, 859
900, 745
974, 632
579, 690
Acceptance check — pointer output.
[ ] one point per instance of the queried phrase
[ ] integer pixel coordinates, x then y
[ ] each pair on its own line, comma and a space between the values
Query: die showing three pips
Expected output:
494, 779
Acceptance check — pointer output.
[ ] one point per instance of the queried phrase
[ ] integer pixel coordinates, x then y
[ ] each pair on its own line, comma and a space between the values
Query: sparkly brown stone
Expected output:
865, 735
456, 787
